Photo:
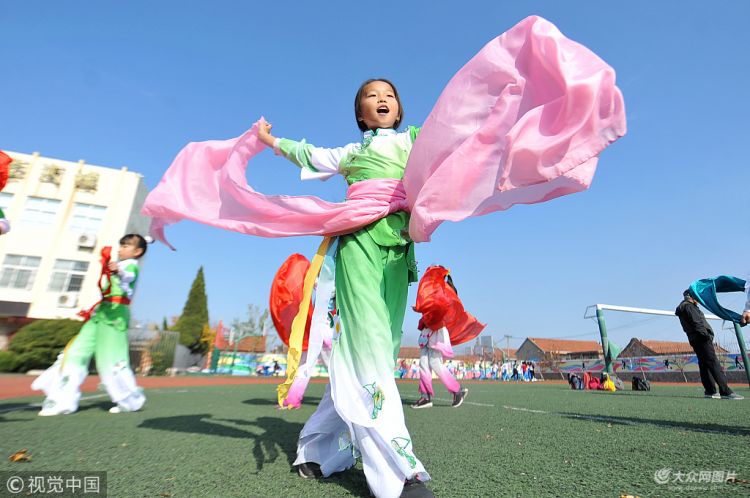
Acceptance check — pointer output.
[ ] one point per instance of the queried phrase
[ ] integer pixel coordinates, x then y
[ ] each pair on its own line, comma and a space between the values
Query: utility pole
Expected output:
233, 340
507, 346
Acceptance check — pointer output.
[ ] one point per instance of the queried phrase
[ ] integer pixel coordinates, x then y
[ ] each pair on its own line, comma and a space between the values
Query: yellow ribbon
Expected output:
300, 320
65, 351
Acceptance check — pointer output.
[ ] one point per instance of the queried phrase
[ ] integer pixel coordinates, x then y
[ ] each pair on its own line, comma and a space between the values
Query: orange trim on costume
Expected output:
116, 299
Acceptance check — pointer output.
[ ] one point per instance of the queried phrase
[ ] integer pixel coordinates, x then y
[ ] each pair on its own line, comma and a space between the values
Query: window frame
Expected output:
68, 276
82, 228
15, 269
28, 218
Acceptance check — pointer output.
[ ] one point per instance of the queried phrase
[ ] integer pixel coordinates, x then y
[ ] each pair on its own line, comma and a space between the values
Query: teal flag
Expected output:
613, 350
705, 290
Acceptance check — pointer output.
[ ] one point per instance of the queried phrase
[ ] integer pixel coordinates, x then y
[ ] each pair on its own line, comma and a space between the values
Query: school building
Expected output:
61, 214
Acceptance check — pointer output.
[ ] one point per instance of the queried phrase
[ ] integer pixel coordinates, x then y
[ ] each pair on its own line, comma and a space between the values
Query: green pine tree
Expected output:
194, 316
164, 325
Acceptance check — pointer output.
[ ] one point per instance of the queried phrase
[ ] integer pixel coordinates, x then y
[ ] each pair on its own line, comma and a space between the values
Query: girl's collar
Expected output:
379, 132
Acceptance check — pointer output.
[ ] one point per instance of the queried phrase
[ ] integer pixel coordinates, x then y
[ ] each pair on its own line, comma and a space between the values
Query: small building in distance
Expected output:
638, 348
538, 348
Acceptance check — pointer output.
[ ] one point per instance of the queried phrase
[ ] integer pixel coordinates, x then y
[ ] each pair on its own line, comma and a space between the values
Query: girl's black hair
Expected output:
358, 109
449, 281
140, 242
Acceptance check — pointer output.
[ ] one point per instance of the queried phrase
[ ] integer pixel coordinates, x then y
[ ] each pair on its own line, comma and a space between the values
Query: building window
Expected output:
5, 200
68, 275
40, 211
19, 271
87, 217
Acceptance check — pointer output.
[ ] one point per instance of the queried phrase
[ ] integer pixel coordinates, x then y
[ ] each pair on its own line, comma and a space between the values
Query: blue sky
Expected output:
128, 84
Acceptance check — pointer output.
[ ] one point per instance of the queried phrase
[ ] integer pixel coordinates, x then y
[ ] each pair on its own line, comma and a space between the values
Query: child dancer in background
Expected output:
414, 370
104, 336
444, 323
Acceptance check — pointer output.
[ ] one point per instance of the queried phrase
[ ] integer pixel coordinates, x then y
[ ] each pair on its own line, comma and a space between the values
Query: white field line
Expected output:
524, 409
595, 418
465, 402
660, 426
95, 396
615, 420
598, 418
39, 405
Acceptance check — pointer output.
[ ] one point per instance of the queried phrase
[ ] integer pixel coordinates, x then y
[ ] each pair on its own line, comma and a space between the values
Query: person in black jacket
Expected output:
701, 339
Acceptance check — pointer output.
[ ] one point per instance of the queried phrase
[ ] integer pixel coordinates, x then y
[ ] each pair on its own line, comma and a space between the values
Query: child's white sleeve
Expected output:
316, 163
747, 288
127, 271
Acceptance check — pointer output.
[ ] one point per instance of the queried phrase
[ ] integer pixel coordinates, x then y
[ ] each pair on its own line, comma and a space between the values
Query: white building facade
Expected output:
61, 214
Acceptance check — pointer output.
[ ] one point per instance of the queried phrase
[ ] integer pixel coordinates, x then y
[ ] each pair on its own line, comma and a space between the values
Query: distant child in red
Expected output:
444, 323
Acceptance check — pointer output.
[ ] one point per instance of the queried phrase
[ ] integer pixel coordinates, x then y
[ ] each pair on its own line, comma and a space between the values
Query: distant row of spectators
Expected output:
483, 370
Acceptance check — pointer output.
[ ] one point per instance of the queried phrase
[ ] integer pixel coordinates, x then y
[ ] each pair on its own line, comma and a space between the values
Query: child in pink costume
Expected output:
444, 322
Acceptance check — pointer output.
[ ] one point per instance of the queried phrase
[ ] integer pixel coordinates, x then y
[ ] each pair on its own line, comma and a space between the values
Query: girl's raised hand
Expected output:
264, 134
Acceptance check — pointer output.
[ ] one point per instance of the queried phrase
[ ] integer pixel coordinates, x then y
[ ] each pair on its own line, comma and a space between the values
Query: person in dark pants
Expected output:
701, 337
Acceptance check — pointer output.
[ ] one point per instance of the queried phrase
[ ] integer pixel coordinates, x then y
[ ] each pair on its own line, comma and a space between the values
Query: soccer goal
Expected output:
734, 344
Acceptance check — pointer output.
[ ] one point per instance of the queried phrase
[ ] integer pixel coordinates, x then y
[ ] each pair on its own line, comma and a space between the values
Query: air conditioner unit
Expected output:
67, 300
87, 240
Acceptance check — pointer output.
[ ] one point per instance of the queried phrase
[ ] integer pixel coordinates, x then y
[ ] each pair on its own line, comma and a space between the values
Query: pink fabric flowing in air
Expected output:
522, 122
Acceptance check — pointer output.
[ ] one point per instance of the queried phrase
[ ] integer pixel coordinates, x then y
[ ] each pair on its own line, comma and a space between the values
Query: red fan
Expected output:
286, 296
441, 307
5, 161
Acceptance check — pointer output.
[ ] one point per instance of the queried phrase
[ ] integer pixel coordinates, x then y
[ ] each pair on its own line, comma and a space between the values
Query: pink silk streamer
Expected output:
206, 183
522, 122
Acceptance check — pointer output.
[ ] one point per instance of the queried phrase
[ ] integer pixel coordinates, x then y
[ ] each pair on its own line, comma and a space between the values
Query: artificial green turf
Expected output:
506, 440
